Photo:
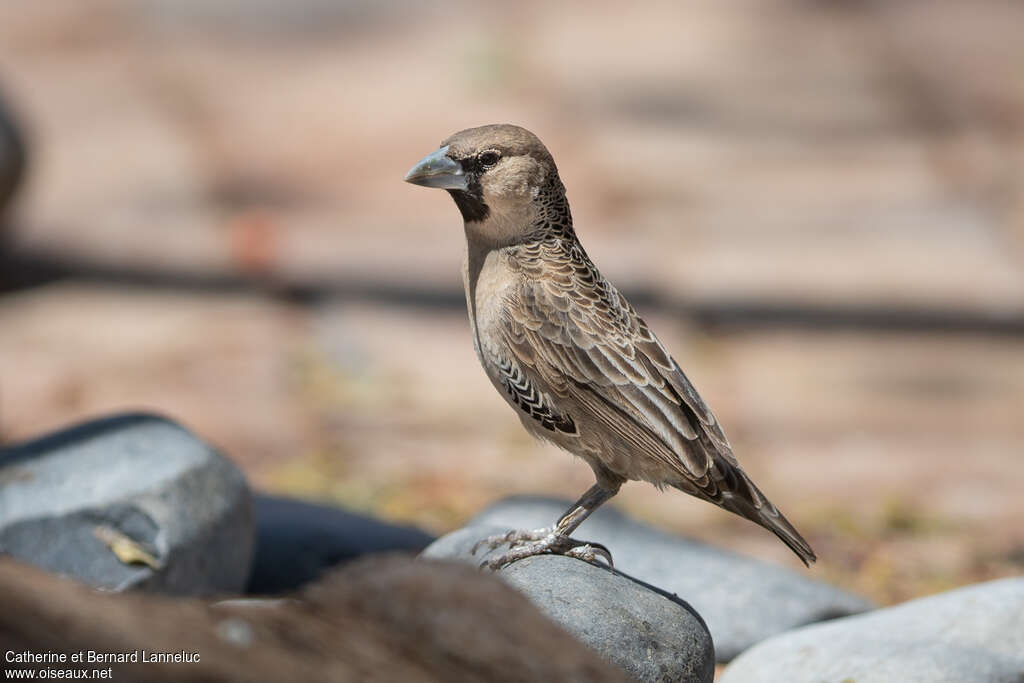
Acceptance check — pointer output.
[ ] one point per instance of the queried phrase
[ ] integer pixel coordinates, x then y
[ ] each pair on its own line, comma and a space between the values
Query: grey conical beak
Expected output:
437, 170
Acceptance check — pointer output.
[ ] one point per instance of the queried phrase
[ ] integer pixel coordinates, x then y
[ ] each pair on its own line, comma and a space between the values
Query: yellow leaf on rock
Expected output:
126, 549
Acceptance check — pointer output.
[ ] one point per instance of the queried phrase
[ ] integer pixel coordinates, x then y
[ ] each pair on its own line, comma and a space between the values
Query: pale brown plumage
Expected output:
568, 352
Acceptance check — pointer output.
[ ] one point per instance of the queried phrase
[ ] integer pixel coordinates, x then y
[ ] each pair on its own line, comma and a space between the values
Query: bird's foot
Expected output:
512, 538
524, 543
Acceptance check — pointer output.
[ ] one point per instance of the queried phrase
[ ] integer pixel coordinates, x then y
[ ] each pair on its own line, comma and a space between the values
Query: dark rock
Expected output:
652, 635
297, 541
971, 635
375, 620
13, 155
128, 502
742, 599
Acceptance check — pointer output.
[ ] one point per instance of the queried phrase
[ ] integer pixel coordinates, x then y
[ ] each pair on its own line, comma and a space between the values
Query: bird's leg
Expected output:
594, 498
554, 540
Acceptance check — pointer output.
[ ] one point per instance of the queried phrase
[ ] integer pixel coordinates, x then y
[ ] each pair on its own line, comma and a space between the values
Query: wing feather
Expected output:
571, 328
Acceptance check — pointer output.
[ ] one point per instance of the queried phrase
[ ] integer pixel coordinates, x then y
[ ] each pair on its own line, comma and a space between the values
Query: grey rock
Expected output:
743, 600
137, 484
652, 635
969, 635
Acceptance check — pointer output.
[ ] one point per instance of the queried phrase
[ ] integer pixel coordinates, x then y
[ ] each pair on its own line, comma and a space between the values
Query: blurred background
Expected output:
819, 206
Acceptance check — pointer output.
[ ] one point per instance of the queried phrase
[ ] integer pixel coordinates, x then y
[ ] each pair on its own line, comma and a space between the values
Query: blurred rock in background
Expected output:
128, 502
13, 160
970, 634
297, 542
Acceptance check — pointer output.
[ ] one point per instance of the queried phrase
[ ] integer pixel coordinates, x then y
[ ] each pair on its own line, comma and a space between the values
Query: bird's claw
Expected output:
513, 538
589, 552
523, 544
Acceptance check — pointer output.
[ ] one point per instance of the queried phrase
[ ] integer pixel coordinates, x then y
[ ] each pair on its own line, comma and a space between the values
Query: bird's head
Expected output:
496, 174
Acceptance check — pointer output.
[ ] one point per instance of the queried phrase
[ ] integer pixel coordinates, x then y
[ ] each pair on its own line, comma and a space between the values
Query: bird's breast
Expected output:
488, 286
489, 279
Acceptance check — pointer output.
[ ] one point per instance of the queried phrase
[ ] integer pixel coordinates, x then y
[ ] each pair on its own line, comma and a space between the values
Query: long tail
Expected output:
774, 521
738, 494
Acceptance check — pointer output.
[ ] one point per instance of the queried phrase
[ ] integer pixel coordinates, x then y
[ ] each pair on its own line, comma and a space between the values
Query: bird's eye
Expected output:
489, 158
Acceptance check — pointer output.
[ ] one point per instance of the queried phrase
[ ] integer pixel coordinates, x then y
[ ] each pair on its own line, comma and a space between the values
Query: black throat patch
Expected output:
471, 206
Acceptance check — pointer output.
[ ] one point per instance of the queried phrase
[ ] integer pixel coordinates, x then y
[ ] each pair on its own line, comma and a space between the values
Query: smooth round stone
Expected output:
970, 635
133, 501
651, 634
743, 600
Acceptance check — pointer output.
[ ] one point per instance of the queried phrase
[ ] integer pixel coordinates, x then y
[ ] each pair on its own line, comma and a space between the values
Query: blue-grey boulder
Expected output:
297, 541
970, 635
128, 502
743, 600
651, 634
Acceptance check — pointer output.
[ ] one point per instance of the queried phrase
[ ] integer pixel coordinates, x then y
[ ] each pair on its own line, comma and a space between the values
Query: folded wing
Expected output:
573, 333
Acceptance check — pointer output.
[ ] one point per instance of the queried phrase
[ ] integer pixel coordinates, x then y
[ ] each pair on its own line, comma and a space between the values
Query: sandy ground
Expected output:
820, 153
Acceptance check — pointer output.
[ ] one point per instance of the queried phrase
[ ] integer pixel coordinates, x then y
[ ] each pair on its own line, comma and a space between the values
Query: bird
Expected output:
570, 354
